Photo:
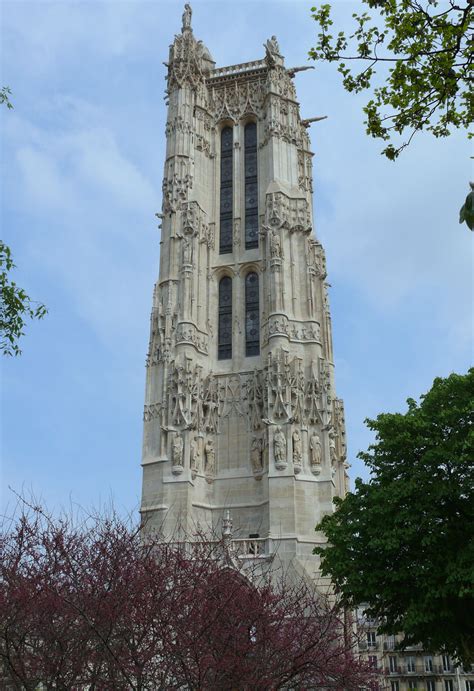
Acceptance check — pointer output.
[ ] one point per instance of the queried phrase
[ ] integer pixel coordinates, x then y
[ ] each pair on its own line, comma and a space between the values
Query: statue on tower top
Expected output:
187, 14
272, 52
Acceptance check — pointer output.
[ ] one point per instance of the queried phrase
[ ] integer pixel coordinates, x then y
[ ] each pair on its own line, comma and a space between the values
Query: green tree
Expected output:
402, 544
15, 305
429, 53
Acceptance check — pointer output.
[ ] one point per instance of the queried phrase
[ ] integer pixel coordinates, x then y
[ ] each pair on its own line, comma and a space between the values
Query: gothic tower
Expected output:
240, 409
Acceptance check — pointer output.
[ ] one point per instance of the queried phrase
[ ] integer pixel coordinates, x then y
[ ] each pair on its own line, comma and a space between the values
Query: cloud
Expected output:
79, 188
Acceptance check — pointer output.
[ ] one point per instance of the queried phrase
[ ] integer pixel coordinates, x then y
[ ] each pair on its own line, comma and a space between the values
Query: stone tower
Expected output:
240, 410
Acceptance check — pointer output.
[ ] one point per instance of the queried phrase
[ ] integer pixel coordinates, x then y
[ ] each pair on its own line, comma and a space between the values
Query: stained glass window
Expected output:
251, 186
224, 348
252, 318
225, 238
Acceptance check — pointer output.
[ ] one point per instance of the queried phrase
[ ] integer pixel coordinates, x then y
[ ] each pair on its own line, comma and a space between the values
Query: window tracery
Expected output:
226, 192
252, 316
224, 332
251, 185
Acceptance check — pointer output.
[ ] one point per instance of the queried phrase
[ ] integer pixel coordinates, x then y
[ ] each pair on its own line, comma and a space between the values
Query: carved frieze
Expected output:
194, 223
177, 181
295, 331
152, 411
305, 170
178, 124
187, 332
316, 258
282, 211
189, 62
238, 99
280, 82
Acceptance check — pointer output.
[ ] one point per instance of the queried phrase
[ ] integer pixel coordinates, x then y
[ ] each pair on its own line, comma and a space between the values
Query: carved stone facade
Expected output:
261, 434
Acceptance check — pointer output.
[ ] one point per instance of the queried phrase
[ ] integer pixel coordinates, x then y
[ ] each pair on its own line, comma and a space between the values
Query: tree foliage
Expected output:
429, 52
16, 307
92, 604
5, 93
402, 544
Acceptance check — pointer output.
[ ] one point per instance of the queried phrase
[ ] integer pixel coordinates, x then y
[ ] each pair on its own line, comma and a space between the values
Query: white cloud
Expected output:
79, 187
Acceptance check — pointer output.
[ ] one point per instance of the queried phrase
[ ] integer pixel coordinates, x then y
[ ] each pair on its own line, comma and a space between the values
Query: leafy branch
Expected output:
430, 56
15, 306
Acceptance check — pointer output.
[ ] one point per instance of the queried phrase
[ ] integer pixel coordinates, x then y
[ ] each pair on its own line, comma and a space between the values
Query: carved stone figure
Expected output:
256, 455
332, 451
187, 15
275, 245
195, 455
178, 445
315, 449
210, 457
272, 48
297, 448
187, 251
279, 447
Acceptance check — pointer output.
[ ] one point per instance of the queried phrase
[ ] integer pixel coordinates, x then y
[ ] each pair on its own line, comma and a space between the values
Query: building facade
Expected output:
240, 412
411, 669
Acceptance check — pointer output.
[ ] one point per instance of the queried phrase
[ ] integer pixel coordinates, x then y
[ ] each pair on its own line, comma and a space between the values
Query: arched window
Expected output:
224, 335
225, 241
252, 317
251, 186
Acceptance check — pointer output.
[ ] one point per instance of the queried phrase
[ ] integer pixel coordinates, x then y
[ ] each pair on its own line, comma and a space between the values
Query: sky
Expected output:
82, 158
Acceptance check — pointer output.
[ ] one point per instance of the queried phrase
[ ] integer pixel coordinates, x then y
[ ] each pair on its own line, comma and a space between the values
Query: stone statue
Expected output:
187, 14
178, 446
275, 245
332, 448
272, 48
256, 455
195, 455
279, 447
186, 251
297, 448
315, 448
210, 457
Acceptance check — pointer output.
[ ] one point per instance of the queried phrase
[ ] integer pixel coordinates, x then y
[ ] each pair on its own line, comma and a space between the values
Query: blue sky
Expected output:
82, 159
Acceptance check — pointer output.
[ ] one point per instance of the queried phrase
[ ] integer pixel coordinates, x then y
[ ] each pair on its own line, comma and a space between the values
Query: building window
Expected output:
373, 661
469, 685
428, 663
410, 664
448, 685
412, 685
394, 686
371, 639
446, 663
392, 663
227, 163
224, 348
252, 317
251, 186
430, 685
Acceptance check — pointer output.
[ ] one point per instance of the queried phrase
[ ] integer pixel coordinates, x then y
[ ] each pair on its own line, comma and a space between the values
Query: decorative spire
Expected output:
187, 15
227, 526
